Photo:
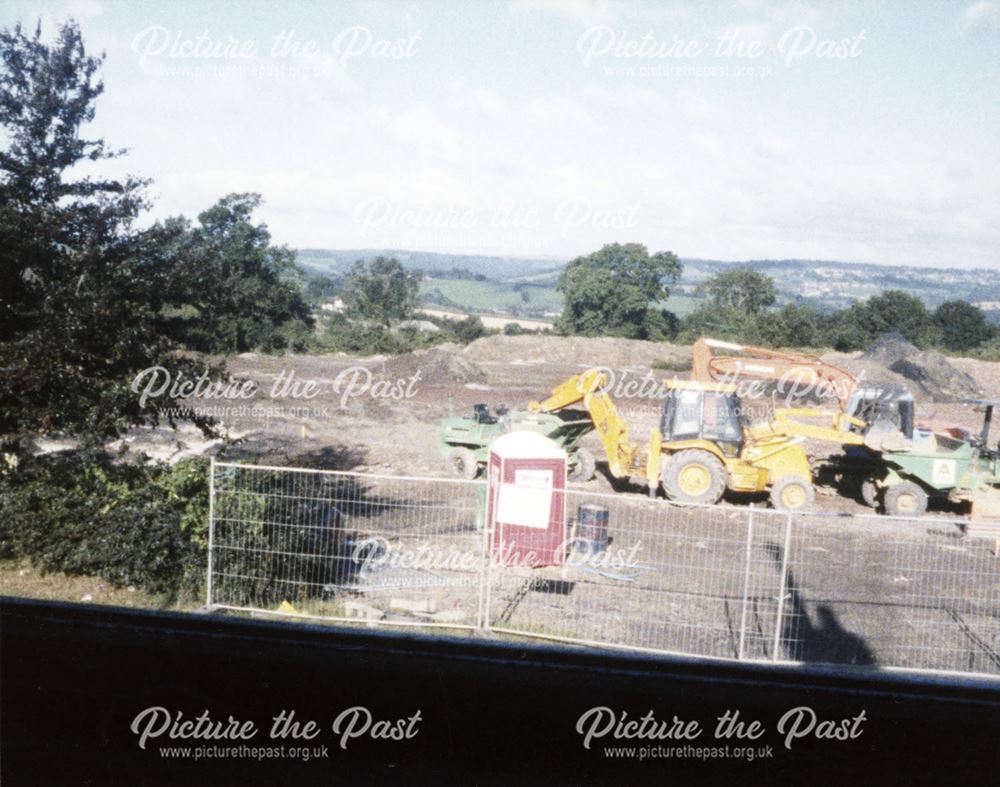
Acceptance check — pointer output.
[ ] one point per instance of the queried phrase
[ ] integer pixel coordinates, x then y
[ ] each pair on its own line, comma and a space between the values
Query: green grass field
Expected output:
683, 305
499, 297
490, 296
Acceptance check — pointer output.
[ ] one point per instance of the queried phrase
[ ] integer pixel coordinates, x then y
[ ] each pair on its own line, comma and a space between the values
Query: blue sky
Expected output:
854, 131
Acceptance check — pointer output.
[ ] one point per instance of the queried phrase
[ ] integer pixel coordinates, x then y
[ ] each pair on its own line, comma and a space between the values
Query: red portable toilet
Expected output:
526, 500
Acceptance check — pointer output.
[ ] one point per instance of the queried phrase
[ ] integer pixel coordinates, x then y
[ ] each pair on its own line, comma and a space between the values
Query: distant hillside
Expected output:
498, 268
526, 286
834, 285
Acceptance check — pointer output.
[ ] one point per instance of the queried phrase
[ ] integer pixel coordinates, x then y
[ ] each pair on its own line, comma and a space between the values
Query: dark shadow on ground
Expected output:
622, 485
287, 452
824, 640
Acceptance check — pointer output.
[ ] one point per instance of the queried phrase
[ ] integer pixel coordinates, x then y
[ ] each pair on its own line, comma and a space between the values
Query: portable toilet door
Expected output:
526, 500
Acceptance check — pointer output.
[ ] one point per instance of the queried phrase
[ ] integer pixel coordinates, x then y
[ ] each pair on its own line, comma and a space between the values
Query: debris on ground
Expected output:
441, 365
578, 350
927, 374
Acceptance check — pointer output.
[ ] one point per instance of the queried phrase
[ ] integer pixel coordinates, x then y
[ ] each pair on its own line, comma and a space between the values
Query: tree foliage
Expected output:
741, 289
612, 292
227, 289
961, 326
131, 524
893, 311
77, 304
382, 291
741, 308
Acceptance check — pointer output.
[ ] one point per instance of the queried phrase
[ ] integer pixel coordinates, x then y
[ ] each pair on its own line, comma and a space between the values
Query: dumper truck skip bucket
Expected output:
465, 441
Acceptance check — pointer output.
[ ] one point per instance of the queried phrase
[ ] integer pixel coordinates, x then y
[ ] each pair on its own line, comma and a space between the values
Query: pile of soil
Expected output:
441, 365
577, 350
927, 374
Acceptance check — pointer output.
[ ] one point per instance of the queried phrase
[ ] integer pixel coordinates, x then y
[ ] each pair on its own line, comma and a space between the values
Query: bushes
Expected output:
987, 351
129, 524
954, 326
364, 337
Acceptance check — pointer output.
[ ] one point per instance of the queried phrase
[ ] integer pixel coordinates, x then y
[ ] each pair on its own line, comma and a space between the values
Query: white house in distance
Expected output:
336, 305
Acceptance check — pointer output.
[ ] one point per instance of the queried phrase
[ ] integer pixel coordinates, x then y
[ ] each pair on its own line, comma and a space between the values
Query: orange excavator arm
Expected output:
718, 361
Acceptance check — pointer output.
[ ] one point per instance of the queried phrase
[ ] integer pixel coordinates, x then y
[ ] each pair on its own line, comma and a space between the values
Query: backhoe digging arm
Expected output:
589, 387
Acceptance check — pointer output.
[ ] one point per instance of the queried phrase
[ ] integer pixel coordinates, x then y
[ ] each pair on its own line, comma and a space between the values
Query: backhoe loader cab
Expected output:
705, 447
703, 412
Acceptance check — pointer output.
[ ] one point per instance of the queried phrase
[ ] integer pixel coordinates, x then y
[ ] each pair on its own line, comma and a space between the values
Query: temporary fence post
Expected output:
482, 621
746, 585
781, 588
211, 529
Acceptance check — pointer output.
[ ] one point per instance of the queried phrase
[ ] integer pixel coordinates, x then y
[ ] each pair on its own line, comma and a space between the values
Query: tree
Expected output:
725, 322
742, 289
795, 326
229, 289
322, 287
77, 308
612, 291
895, 310
469, 329
739, 309
961, 325
381, 290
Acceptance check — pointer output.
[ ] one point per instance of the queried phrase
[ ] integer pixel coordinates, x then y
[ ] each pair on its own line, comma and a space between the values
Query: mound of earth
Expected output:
441, 365
927, 374
577, 350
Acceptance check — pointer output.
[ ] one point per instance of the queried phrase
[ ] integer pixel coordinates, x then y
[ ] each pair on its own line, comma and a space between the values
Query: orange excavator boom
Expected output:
718, 361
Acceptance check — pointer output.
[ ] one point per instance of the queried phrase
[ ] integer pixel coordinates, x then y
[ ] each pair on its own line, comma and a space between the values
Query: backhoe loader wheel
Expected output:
693, 476
585, 466
869, 492
462, 464
905, 499
793, 493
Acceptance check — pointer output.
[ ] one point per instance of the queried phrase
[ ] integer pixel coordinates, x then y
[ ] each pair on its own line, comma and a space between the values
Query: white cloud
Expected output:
981, 15
420, 129
584, 12
488, 102
85, 8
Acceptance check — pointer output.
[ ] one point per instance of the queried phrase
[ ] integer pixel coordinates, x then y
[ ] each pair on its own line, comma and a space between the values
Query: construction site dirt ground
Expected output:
352, 424
381, 415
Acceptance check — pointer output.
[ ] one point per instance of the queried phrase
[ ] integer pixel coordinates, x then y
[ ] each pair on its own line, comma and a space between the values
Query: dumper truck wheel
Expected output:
585, 466
793, 493
869, 492
905, 499
693, 476
462, 464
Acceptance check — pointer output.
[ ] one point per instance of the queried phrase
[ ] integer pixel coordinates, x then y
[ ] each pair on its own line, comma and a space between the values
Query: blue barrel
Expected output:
591, 528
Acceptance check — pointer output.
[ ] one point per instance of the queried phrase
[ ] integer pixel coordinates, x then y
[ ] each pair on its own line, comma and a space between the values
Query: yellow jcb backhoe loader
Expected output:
701, 447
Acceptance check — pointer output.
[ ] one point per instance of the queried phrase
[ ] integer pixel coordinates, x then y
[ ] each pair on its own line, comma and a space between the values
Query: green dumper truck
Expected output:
465, 441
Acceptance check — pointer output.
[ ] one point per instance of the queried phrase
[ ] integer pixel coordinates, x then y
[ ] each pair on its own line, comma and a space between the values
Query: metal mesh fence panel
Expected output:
918, 594
346, 546
723, 581
661, 577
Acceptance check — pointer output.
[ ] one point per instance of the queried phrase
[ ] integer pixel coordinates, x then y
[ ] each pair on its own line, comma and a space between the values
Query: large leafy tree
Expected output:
737, 301
893, 311
615, 292
227, 288
742, 289
77, 311
382, 291
961, 325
